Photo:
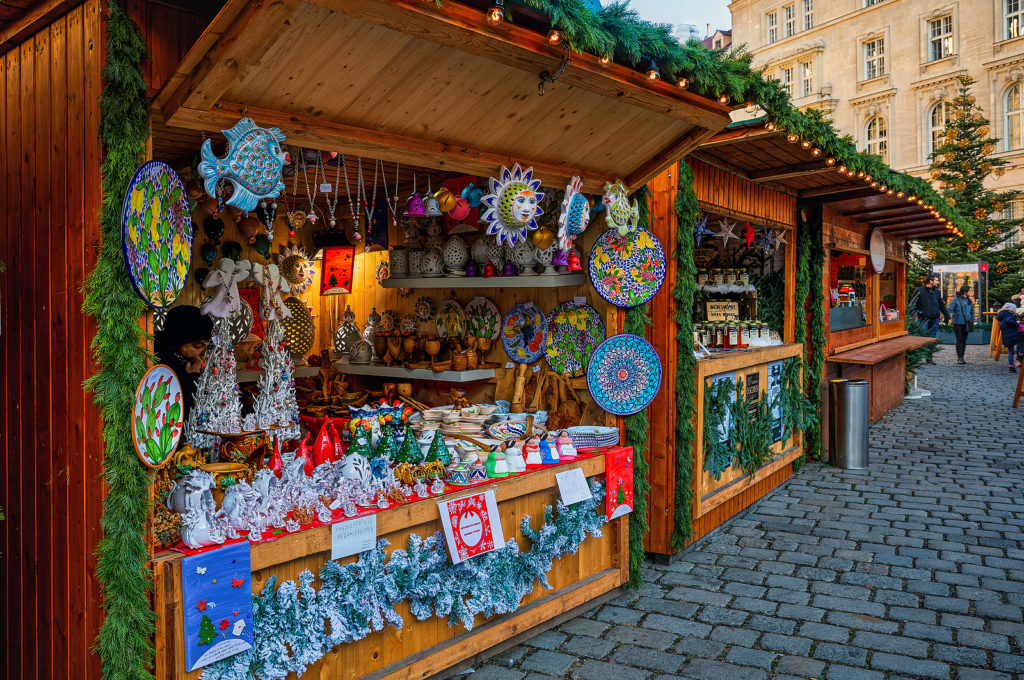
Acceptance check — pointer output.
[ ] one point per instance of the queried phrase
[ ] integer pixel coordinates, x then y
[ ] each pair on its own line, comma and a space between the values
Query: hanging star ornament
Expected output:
780, 238
748, 233
767, 242
700, 230
726, 231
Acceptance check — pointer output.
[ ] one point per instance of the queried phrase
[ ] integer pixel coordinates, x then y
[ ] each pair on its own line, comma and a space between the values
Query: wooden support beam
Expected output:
788, 171
31, 20
922, 224
920, 215
717, 162
836, 194
858, 214
733, 135
654, 167
937, 231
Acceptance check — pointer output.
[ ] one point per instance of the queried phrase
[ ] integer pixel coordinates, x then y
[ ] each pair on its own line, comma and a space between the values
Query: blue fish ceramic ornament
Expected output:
253, 164
513, 205
621, 215
575, 215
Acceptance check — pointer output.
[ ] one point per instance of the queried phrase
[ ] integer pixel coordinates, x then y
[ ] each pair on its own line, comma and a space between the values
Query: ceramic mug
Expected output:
432, 265
399, 262
415, 262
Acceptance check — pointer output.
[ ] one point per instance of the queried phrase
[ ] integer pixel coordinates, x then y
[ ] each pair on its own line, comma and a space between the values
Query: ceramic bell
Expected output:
490, 270
514, 458
548, 453
472, 269
473, 194
414, 206
460, 210
445, 199
531, 451
566, 449
497, 465
559, 260
431, 208
573, 262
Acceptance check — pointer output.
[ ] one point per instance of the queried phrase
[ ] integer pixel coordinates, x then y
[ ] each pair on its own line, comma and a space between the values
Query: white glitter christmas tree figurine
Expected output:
217, 406
275, 404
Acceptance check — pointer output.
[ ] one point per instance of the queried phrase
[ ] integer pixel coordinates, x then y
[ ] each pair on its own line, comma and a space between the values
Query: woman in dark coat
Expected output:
961, 312
181, 345
1012, 337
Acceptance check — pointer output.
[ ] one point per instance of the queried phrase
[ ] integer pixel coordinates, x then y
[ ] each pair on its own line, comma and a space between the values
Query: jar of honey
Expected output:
730, 277
702, 277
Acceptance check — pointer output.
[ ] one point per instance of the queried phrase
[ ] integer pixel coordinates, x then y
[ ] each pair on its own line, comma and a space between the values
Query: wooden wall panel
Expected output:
49, 430
717, 189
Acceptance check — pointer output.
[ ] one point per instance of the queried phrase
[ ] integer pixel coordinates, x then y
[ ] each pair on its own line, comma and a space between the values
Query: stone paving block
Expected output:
744, 589
705, 649
840, 590
735, 636
771, 624
847, 605
897, 597
611, 614
918, 614
916, 667
549, 639
980, 674
684, 610
891, 643
587, 647
830, 651
719, 615
643, 637
824, 632
839, 672
703, 669
996, 610
492, 672
862, 622
751, 657
954, 605
788, 596
691, 580
800, 612
960, 656
647, 658
960, 621
977, 638
928, 588
799, 666
1008, 662
678, 626
552, 663
699, 596
600, 670
786, 643
928, 632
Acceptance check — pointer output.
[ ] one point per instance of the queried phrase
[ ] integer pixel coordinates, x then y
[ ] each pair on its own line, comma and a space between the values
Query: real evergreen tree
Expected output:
960, 165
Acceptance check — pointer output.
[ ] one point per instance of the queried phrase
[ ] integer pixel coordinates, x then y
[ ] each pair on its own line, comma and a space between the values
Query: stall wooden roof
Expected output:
404, 80
768, 158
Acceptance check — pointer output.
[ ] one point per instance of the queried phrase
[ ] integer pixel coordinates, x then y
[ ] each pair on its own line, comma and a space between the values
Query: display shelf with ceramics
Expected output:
538, 281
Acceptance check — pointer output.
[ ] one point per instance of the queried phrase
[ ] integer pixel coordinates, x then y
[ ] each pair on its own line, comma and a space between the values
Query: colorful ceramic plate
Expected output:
156, 233
451, 320
483, 318
523, 333
508, 429
627, 270
624, 374
157, 421
425, 308
383, 271
574, 332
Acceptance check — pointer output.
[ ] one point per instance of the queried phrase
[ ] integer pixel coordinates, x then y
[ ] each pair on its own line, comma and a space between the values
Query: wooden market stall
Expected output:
434, 93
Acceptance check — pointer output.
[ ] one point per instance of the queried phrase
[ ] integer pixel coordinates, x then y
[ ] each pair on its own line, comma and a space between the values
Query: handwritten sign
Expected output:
472, 525
722, 310
353, 536
572, 484
217, 612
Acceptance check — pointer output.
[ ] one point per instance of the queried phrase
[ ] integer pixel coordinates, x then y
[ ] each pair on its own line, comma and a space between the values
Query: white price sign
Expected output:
572, 484
353, 536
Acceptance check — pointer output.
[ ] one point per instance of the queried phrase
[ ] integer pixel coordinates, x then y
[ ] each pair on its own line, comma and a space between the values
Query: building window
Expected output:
1014, 119
806, 79
1013, 210
940, 38
1014, 19
874, 58
772, 21
786, 77
809, 14
789, 20
877, 137
937, 119
869, 3
718, 43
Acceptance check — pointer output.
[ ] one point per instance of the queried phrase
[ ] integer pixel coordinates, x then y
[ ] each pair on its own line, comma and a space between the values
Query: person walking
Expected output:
929, 306
961, 311
1012, 336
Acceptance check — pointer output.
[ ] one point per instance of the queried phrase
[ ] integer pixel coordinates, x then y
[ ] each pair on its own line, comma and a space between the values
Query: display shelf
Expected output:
539, 281
414, 373
247, 375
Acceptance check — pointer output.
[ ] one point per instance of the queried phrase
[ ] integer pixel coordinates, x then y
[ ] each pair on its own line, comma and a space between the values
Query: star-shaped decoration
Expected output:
780, 238
700, 230
726, 231
748, 233
201, 606
766, 243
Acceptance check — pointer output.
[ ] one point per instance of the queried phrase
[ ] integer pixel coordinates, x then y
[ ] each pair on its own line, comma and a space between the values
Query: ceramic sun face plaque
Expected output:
157, 420
296, 268
627, 270
156, 233
513, 205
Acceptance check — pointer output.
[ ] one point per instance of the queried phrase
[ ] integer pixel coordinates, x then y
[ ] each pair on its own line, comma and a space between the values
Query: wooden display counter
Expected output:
423, 648
712, 495
882, 364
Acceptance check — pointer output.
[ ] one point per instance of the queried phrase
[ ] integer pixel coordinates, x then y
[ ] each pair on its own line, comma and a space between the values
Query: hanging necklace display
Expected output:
311, 194
268, 213
369, 205
295, 217
332, 204
353, 206
392, 203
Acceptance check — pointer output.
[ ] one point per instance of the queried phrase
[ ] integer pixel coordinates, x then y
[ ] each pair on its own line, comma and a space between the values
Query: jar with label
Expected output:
744, 278
745, 335
734, 336
762, 331
702, 277
717, 277
719, 341
730, 277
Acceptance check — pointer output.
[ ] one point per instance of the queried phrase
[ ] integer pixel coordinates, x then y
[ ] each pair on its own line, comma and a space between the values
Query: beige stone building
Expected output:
885, 70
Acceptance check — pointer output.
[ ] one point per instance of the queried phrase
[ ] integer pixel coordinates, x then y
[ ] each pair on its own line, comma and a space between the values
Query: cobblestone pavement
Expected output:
912, 569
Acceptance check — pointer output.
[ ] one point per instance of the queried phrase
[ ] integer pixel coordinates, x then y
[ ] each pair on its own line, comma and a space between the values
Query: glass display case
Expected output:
973, 274
850, 294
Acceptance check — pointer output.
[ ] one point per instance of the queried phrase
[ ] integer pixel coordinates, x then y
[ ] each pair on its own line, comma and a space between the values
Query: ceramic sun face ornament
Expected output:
513, 205
296, 268
253, 164
621, 215
575, 215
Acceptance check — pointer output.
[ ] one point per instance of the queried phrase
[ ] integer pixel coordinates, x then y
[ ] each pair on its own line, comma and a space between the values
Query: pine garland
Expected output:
718, 452
637, 428
802, 285
816, 345
290, 621
686, 365
125, 639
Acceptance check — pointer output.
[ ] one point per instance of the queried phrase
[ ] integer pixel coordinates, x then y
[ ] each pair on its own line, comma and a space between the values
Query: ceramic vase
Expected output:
399, 263
522, 255
455, 256
415, 262
432, 266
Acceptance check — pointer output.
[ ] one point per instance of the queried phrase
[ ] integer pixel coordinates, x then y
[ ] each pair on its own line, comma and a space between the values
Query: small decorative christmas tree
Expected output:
439, 451
275, 405
217, 406
620, 497
207, 634
388, 447
409, 452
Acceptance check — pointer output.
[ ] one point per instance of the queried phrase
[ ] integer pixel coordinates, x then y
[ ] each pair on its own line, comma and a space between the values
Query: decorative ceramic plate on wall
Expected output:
484, 319
624, 374
451, 320
156, 233
523, 333
157, 420
574, 332
627, 270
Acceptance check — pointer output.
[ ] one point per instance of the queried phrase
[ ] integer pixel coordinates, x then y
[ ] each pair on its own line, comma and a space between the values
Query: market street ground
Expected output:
914, 569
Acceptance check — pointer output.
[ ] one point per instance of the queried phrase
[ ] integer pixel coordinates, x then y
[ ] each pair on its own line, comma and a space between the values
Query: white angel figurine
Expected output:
225, 279
273, 284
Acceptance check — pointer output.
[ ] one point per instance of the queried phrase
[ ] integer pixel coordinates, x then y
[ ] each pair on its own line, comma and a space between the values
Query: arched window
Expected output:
1014, 119
937, 119
877, 137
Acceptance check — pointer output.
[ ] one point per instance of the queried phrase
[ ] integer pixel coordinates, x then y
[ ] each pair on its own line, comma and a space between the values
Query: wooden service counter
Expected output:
715, 500
882, 364
422, 648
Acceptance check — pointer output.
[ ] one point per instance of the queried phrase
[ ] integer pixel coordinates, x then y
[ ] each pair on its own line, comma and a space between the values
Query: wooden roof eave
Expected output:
232, 46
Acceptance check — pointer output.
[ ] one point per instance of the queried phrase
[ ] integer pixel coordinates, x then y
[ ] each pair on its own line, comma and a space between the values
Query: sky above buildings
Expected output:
698, 12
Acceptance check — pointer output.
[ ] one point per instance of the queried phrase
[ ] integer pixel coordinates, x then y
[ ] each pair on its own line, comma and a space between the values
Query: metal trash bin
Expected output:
849, 408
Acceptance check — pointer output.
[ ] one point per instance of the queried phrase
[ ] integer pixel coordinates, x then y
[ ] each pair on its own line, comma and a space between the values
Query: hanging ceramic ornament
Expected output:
523, 333
213, 227
575, 330
700, 230
575, 214
262, 245
157, 420
156, 233
231, 250
224, 281
252, 165
513, 205
624, 374
296, 268
621, 215
627, 270
726, 229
